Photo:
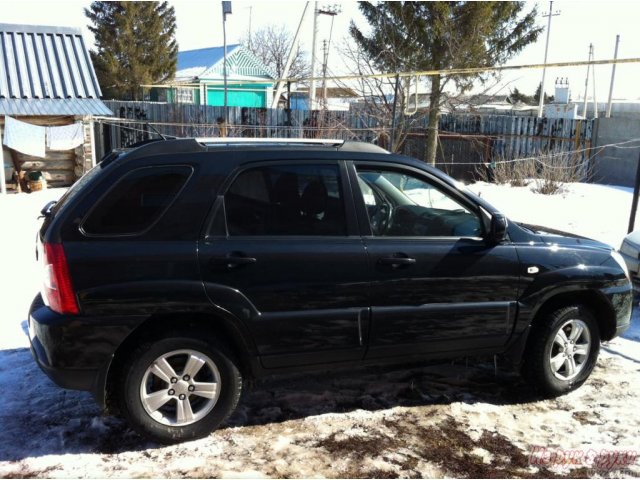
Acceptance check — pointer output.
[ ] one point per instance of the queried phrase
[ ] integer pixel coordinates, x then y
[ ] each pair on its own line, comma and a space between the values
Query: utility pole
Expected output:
332, 11
586, 83
287, 66
593, 75
226, 10
312, 84
613, 77
546, 51
325, 54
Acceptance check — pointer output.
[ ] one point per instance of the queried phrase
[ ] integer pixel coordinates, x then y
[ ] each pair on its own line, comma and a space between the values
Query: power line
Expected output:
471, 70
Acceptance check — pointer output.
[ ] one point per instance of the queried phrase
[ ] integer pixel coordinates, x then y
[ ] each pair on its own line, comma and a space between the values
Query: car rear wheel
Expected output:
563, 350
179, 388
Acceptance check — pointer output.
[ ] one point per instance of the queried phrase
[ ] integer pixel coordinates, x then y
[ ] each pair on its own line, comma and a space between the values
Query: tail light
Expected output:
58, 289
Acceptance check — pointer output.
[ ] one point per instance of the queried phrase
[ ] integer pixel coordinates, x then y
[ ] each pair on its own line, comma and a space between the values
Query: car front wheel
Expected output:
179, 388
563, 350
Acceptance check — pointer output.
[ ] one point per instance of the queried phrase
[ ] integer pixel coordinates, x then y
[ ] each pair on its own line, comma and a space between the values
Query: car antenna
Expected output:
156, 130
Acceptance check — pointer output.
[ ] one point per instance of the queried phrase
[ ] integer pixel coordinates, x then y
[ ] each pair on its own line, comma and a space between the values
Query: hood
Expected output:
551, 236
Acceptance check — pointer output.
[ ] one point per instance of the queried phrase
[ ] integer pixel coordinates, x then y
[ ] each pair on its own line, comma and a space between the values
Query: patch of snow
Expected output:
596, 211
21, 275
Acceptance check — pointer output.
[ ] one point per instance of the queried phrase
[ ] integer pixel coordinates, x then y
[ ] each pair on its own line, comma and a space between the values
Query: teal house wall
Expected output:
241, 95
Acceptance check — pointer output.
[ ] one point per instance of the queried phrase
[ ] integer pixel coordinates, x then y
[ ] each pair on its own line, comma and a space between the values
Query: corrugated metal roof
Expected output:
207, 63
203, 57
41, 67
51, 106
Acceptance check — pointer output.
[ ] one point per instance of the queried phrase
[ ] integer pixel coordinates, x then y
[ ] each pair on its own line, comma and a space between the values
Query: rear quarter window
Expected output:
136, 201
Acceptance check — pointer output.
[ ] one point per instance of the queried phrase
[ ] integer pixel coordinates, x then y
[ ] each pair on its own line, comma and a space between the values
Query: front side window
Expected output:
286, 200
404, 205
137, 201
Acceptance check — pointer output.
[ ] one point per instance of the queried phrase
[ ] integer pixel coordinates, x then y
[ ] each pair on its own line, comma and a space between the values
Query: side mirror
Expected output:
498, 228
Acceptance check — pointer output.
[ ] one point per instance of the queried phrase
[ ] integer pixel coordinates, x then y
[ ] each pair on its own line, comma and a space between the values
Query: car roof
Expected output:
194, 145
313, 146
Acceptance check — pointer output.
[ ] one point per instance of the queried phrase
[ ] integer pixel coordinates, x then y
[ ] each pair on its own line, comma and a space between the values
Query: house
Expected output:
338, 98
199, 79
47, 79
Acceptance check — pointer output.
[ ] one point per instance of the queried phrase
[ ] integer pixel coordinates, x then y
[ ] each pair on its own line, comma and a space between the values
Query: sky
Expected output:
578, 24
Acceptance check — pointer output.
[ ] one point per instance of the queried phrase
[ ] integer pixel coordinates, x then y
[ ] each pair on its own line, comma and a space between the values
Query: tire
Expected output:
178, 388
554, 365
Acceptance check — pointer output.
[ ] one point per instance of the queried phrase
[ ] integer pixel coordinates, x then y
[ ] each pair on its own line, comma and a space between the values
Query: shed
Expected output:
47, 79
199, 79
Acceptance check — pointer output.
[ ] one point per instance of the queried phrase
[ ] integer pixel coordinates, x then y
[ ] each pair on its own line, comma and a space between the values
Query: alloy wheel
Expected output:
180, 387
570, 349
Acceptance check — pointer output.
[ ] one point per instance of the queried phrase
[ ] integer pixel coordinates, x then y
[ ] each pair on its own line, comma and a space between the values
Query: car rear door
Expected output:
437, 285
283, 254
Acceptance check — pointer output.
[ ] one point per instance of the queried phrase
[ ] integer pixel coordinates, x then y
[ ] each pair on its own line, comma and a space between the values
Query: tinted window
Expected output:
405, 205
286, 200
136, 202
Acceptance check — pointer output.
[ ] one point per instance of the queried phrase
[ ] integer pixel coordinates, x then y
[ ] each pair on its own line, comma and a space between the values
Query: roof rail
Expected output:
333, 142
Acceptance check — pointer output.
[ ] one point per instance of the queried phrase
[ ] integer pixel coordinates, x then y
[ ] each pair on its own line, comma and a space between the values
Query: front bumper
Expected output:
631, 257
75, 351
621, 299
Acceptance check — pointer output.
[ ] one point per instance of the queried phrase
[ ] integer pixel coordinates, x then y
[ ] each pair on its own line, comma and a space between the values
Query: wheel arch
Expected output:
217, 325
594, 300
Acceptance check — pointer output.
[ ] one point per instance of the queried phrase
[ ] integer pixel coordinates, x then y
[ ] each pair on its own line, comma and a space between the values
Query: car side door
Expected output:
282, 253
437, 284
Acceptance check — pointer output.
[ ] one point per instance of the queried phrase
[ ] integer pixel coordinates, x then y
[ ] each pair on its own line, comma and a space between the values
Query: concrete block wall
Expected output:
616, 166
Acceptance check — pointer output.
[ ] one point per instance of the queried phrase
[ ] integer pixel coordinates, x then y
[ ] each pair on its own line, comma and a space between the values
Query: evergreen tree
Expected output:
135, 45
414, 36
536, 96
518, 97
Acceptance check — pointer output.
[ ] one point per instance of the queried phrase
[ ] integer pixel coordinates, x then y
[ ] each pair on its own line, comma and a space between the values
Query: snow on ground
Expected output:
456, 419
600, 212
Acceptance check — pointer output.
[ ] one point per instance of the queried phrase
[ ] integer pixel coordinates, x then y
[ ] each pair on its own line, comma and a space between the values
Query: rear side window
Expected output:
286, 200
137, 201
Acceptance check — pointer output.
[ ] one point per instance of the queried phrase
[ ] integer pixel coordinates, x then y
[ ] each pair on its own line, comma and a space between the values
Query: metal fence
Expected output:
465, 140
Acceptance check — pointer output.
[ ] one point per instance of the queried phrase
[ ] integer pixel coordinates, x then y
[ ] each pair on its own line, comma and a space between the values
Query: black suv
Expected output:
176, 270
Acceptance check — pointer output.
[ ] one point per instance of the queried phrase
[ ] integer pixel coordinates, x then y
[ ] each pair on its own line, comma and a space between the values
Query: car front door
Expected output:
437, 284
283, 253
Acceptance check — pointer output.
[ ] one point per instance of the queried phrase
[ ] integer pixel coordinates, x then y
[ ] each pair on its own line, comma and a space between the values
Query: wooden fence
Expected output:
465, 139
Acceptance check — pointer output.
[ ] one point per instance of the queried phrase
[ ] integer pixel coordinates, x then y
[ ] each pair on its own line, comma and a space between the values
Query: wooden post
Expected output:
634, 203
393, 115
92, 132
3, 181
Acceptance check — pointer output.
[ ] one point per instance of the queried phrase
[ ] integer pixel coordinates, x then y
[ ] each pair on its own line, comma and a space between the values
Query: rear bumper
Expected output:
75, 351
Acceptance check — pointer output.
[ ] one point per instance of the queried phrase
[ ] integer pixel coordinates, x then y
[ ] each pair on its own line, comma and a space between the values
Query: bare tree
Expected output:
375, 105
412, 107
271, 45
